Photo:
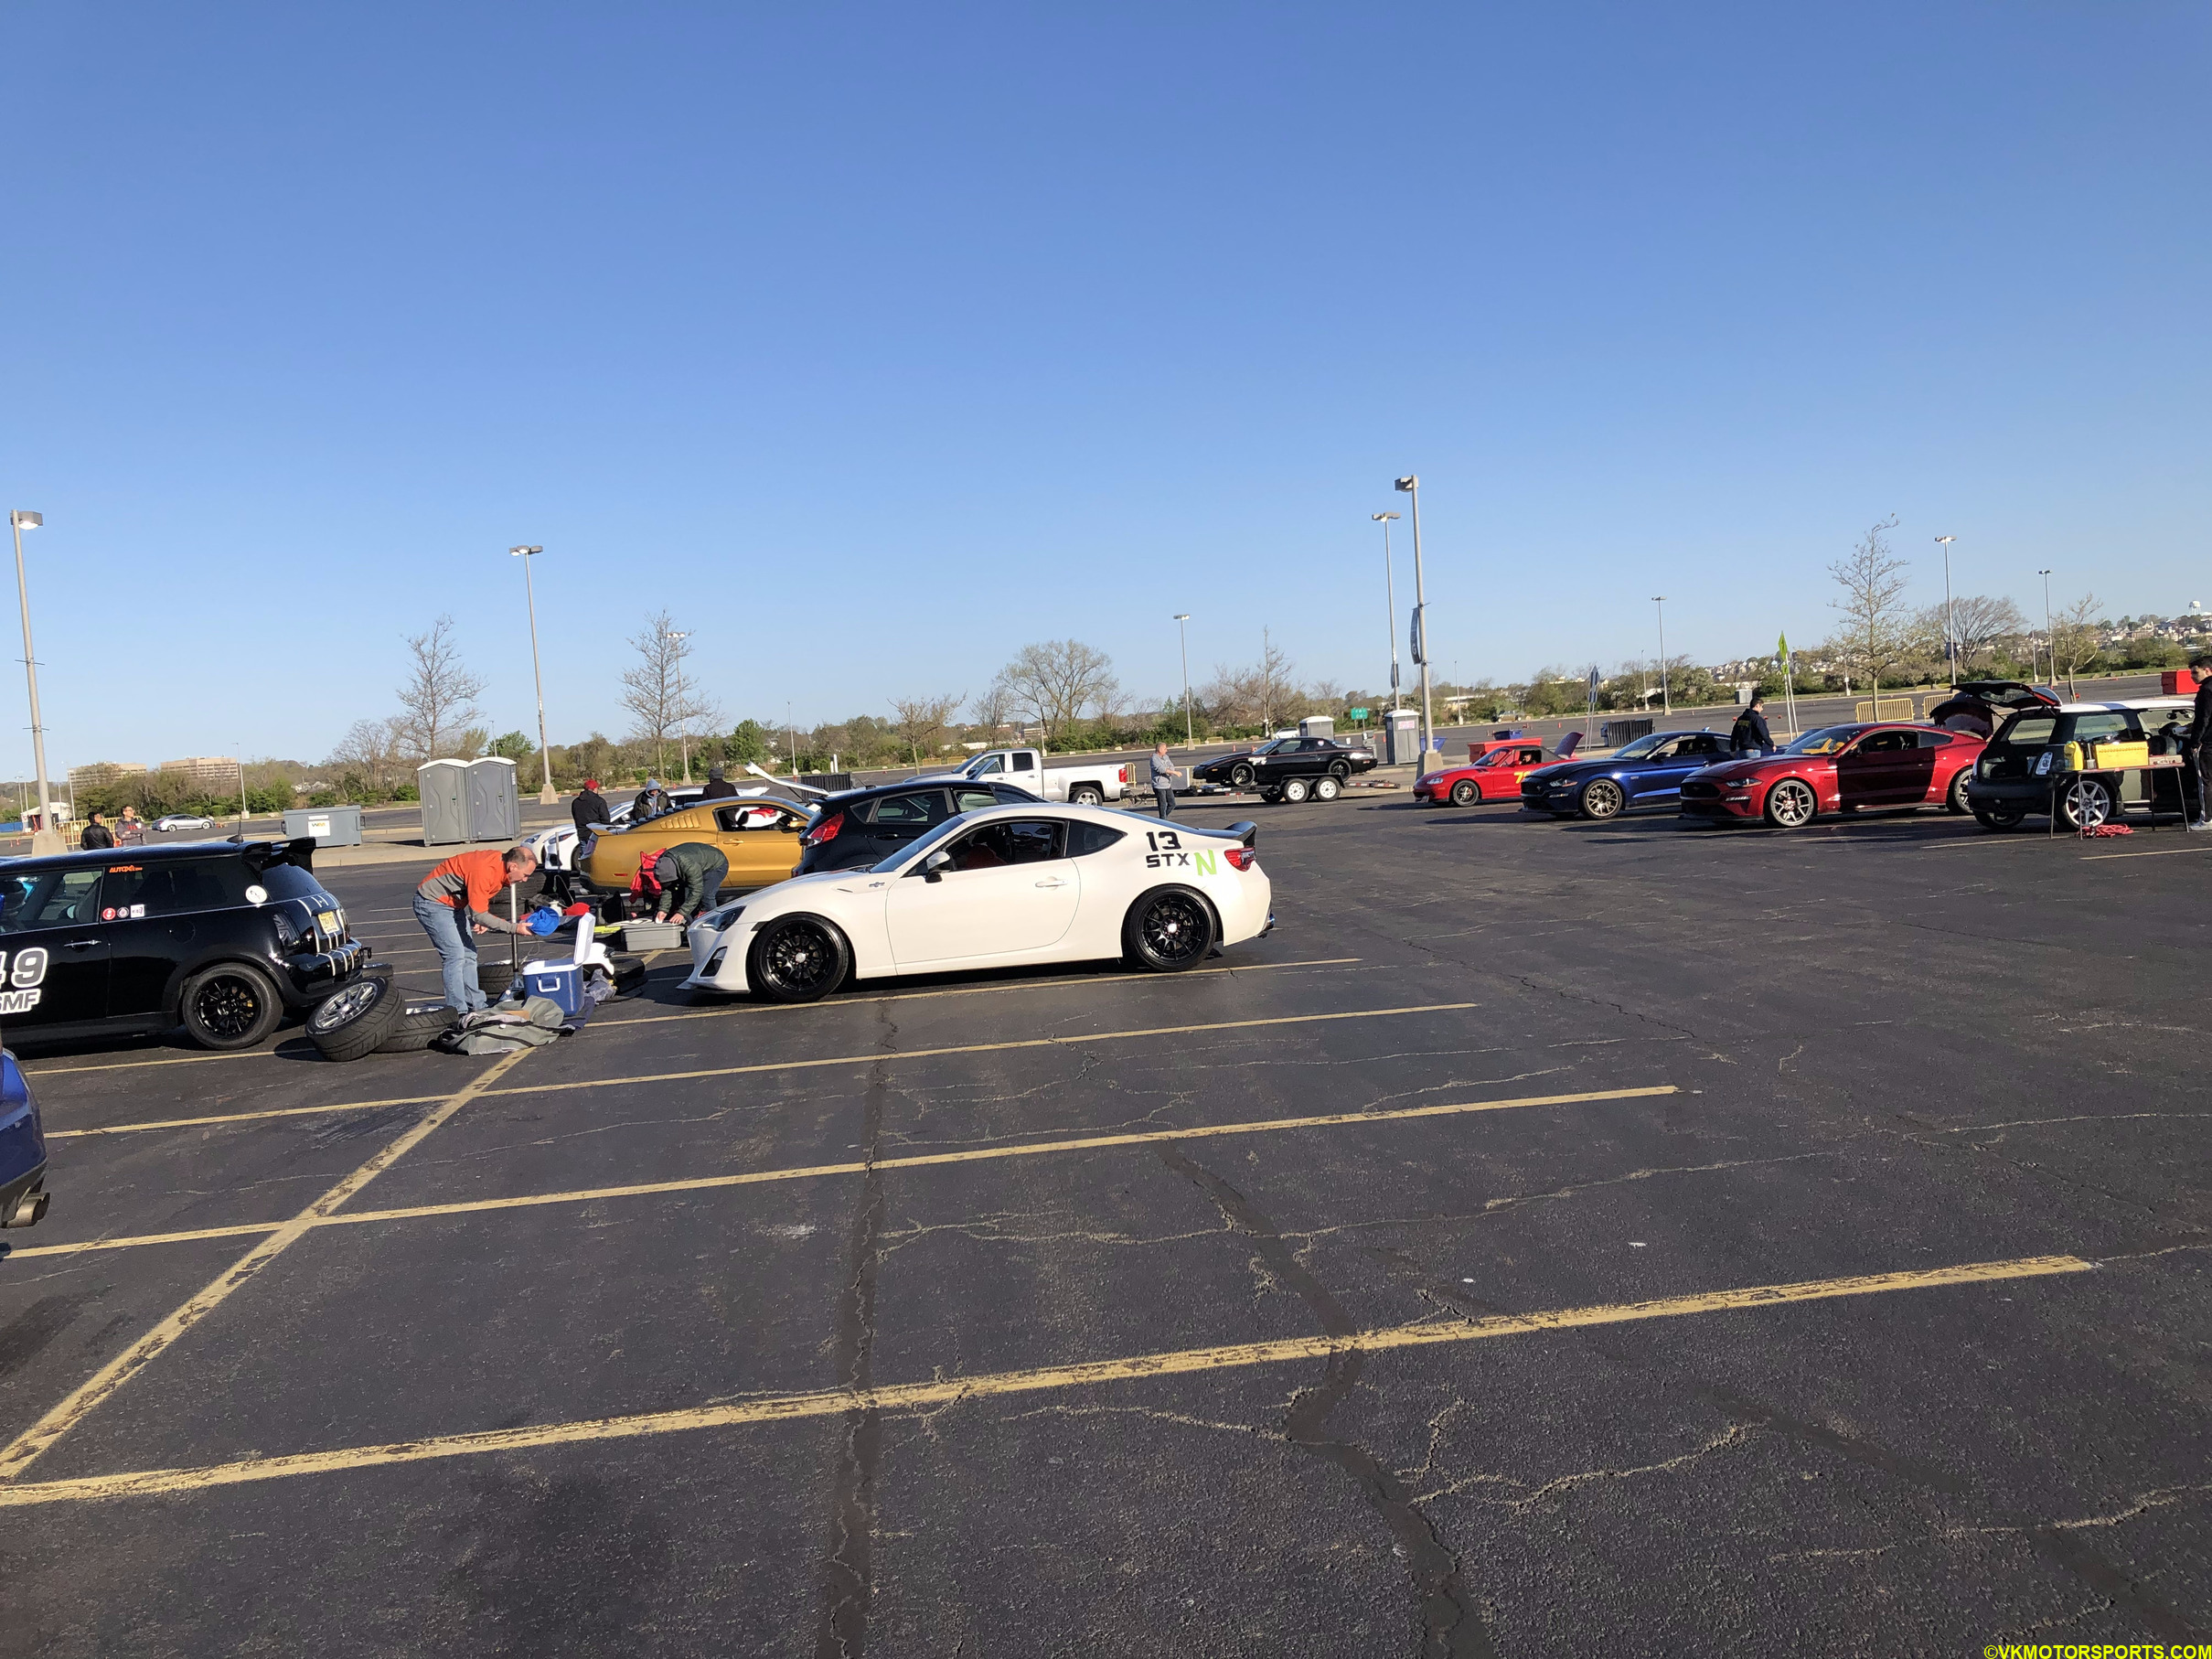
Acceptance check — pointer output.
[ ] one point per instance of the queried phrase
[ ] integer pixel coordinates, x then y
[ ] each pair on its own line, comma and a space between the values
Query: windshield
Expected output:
984, 766
1641, 746
1825, 740
913, 849
1270, 746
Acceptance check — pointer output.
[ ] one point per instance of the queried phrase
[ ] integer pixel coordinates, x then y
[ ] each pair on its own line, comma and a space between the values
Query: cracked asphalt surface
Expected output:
1893, 1044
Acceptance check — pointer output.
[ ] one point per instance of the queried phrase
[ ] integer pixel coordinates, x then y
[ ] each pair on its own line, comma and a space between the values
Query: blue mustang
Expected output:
1646, 772
22, 1149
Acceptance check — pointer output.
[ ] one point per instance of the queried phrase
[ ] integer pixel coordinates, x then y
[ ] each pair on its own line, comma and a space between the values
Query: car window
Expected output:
1497, 758
917, 809
1934, 740
1529, 757
1085, 839
975, 800
2028, 730
50, 898
732, 820
990, 765
1703, 742
171, 887
1888, 743
2109, 722
1013, 840
1825, 740
1641, 748
1025, 760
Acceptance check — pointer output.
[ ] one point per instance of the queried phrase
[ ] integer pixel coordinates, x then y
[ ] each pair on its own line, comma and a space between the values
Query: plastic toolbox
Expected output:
640, 936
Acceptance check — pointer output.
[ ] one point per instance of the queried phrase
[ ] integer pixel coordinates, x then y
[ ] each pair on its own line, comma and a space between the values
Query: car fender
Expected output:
850, 900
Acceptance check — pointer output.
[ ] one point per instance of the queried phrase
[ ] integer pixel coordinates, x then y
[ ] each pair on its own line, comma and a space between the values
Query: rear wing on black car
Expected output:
299, 851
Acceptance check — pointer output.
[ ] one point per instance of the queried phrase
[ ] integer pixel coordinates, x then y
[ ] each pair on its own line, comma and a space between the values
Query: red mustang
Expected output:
1493, 772
1838, 770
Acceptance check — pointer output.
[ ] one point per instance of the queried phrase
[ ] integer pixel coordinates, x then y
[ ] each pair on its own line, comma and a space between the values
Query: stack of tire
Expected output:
373, 1016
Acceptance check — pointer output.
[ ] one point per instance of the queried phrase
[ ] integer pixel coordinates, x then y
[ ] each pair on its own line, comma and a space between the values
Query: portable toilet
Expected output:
1318, 726
1405, 737
443, 786
495, 807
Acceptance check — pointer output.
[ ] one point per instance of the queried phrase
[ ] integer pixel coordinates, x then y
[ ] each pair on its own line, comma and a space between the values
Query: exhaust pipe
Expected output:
28, 1208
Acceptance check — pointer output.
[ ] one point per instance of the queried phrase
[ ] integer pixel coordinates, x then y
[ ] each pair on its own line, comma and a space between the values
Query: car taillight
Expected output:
1242, 858
824, 833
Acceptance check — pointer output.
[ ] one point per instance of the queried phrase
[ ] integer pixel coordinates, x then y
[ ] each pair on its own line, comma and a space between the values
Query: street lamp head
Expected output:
1382, 517
1182, 615
523, 551
1659, 599
1409, 483
23, 520
1947, 540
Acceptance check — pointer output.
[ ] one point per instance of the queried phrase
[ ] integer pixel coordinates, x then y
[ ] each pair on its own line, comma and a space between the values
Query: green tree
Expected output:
512, 745
749, 742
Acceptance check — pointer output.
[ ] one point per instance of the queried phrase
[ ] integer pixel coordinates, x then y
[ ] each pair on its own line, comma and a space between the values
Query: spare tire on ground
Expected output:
420, 1021
494, 978
355, 1018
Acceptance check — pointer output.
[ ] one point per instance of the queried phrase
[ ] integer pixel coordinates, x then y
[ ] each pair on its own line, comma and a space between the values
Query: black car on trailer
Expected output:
863, 826
1289, 768
222, 937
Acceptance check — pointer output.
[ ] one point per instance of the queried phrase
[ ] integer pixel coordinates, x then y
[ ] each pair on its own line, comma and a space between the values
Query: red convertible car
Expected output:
1493, 773
1838, 770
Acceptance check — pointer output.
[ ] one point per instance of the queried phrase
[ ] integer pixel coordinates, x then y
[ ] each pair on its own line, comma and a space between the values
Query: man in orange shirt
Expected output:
455, 902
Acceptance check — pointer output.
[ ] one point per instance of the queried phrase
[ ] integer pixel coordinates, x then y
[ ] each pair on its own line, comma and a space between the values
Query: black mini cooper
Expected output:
218, 937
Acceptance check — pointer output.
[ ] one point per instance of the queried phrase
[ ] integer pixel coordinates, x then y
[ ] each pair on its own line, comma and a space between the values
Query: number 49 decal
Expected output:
25, 978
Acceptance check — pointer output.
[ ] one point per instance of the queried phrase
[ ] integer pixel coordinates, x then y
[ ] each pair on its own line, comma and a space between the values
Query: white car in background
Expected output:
183, 820
1004, 886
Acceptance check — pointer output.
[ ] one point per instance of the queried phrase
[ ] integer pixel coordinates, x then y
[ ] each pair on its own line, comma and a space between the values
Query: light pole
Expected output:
1411, 484
1951, 640
1182, 619
1666, 696
546, 797
682, 737
1390, 598
2050, 646
45, 838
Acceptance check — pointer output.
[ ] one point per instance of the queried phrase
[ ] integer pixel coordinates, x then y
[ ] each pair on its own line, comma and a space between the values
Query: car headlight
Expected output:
720, 920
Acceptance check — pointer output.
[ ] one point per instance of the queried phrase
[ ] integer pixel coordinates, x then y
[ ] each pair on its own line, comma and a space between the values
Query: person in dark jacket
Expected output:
651, 802
588, 809
2193, 745
97, 836
1750, 735
719, 787
691, 873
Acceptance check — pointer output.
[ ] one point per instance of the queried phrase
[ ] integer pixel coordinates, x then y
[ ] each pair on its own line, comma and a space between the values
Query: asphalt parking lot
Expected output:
1555, 1238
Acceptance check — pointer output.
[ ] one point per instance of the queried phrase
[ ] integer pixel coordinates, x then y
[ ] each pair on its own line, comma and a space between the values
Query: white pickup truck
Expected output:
1089, 785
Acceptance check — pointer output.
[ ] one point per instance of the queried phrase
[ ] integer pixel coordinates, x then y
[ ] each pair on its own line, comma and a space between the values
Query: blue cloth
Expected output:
456, 954
543, 921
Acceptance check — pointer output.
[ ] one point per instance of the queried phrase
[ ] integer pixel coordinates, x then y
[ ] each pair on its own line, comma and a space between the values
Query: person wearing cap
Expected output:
651, 802
589, 808
691, 873
719, 786
455, 902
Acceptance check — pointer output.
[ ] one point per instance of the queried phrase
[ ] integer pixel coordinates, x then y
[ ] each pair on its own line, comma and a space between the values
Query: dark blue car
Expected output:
22, 1149
1646, 772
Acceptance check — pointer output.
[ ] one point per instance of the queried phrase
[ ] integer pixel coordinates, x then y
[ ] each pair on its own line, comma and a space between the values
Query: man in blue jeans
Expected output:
454, 903
1164, 773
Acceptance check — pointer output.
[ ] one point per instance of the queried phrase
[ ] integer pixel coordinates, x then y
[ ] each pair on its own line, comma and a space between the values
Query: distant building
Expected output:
215, 774
104, 772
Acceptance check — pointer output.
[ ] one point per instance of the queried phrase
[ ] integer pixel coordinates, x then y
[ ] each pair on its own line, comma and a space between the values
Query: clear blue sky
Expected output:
875, 341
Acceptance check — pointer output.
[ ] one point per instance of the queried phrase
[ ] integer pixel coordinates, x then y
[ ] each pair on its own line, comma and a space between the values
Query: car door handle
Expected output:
80, 945
1052, 882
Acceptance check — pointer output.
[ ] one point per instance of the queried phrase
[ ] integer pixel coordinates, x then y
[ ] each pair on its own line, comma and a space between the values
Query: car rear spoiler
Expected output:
1246, 832
300, 852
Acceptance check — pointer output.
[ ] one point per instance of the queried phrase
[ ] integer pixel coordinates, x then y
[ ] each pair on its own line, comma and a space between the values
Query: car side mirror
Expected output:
933, 867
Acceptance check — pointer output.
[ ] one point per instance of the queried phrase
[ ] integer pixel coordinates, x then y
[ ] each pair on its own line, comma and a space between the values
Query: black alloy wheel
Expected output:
1602, 798
1954, 800
1240, 777
798, 959
231, 1005
1168, 930
1464, 793
1339, 771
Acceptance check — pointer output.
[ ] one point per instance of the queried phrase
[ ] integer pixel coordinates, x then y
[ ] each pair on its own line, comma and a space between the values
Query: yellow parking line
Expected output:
757, 1008
702, 1184
877, 1057
946, 1391
20, 1451
2092, 858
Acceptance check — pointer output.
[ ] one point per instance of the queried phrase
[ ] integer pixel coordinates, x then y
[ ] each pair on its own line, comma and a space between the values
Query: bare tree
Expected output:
994, 708
921, 721
438, 699
656, 692
374, 749
1060, 681
1978, 621
1877, 628
2076, 633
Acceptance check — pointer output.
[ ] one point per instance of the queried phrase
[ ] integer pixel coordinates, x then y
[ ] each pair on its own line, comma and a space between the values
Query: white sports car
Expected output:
998, 887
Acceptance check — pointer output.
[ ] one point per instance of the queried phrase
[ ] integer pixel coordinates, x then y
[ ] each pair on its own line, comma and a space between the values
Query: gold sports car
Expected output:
759, 837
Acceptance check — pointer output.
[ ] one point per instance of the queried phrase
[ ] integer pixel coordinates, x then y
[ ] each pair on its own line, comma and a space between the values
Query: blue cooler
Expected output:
561, 983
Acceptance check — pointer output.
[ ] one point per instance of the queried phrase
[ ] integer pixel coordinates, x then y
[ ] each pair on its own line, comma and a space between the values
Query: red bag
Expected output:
644, 881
